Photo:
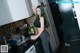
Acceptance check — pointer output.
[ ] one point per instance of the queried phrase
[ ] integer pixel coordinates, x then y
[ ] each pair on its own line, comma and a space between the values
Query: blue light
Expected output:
67, 2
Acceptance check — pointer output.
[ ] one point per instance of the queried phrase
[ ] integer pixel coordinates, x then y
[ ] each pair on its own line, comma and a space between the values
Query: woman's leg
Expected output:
45, 42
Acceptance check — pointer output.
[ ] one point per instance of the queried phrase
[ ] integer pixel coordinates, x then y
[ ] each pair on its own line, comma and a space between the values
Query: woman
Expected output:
40, 24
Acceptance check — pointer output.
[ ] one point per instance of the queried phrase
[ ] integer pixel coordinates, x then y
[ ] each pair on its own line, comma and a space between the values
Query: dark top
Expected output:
37, 22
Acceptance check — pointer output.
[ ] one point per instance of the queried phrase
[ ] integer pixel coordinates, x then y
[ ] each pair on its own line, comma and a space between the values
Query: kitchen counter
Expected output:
23, 47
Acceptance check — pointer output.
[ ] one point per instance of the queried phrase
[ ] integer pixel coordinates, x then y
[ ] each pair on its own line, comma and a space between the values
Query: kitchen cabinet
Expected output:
31, 49
35, 48
28, 47
14, 10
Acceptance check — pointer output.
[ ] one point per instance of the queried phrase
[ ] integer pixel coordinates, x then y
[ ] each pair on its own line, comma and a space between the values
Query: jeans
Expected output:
45, 41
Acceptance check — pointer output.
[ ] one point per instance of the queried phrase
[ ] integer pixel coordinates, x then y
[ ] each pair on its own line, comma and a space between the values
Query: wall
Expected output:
31, 20
10, 28
52, 29
35, 3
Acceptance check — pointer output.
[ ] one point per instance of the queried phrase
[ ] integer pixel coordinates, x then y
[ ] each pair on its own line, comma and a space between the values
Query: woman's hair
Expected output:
43, 15
41, 9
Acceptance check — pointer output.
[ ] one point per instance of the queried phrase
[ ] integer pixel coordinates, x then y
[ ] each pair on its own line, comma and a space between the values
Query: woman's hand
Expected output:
35, 37
36, 31
39, 30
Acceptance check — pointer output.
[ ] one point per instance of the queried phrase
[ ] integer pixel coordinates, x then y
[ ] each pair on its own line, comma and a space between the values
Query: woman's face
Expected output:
38, 11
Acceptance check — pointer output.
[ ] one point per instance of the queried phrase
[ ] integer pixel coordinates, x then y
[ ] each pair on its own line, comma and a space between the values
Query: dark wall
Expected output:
66, 24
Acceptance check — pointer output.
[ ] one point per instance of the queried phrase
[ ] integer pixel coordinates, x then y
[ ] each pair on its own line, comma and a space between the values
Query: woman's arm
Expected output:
40, 30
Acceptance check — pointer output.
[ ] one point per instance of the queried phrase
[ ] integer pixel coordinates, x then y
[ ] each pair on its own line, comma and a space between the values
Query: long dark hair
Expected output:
42, 11
46, 23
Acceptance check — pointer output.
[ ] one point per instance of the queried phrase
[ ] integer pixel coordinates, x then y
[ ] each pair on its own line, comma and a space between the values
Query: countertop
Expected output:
23, 47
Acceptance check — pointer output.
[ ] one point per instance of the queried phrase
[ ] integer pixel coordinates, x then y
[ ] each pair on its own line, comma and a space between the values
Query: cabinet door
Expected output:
14, 10
31, 49
5, 16
19, 9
